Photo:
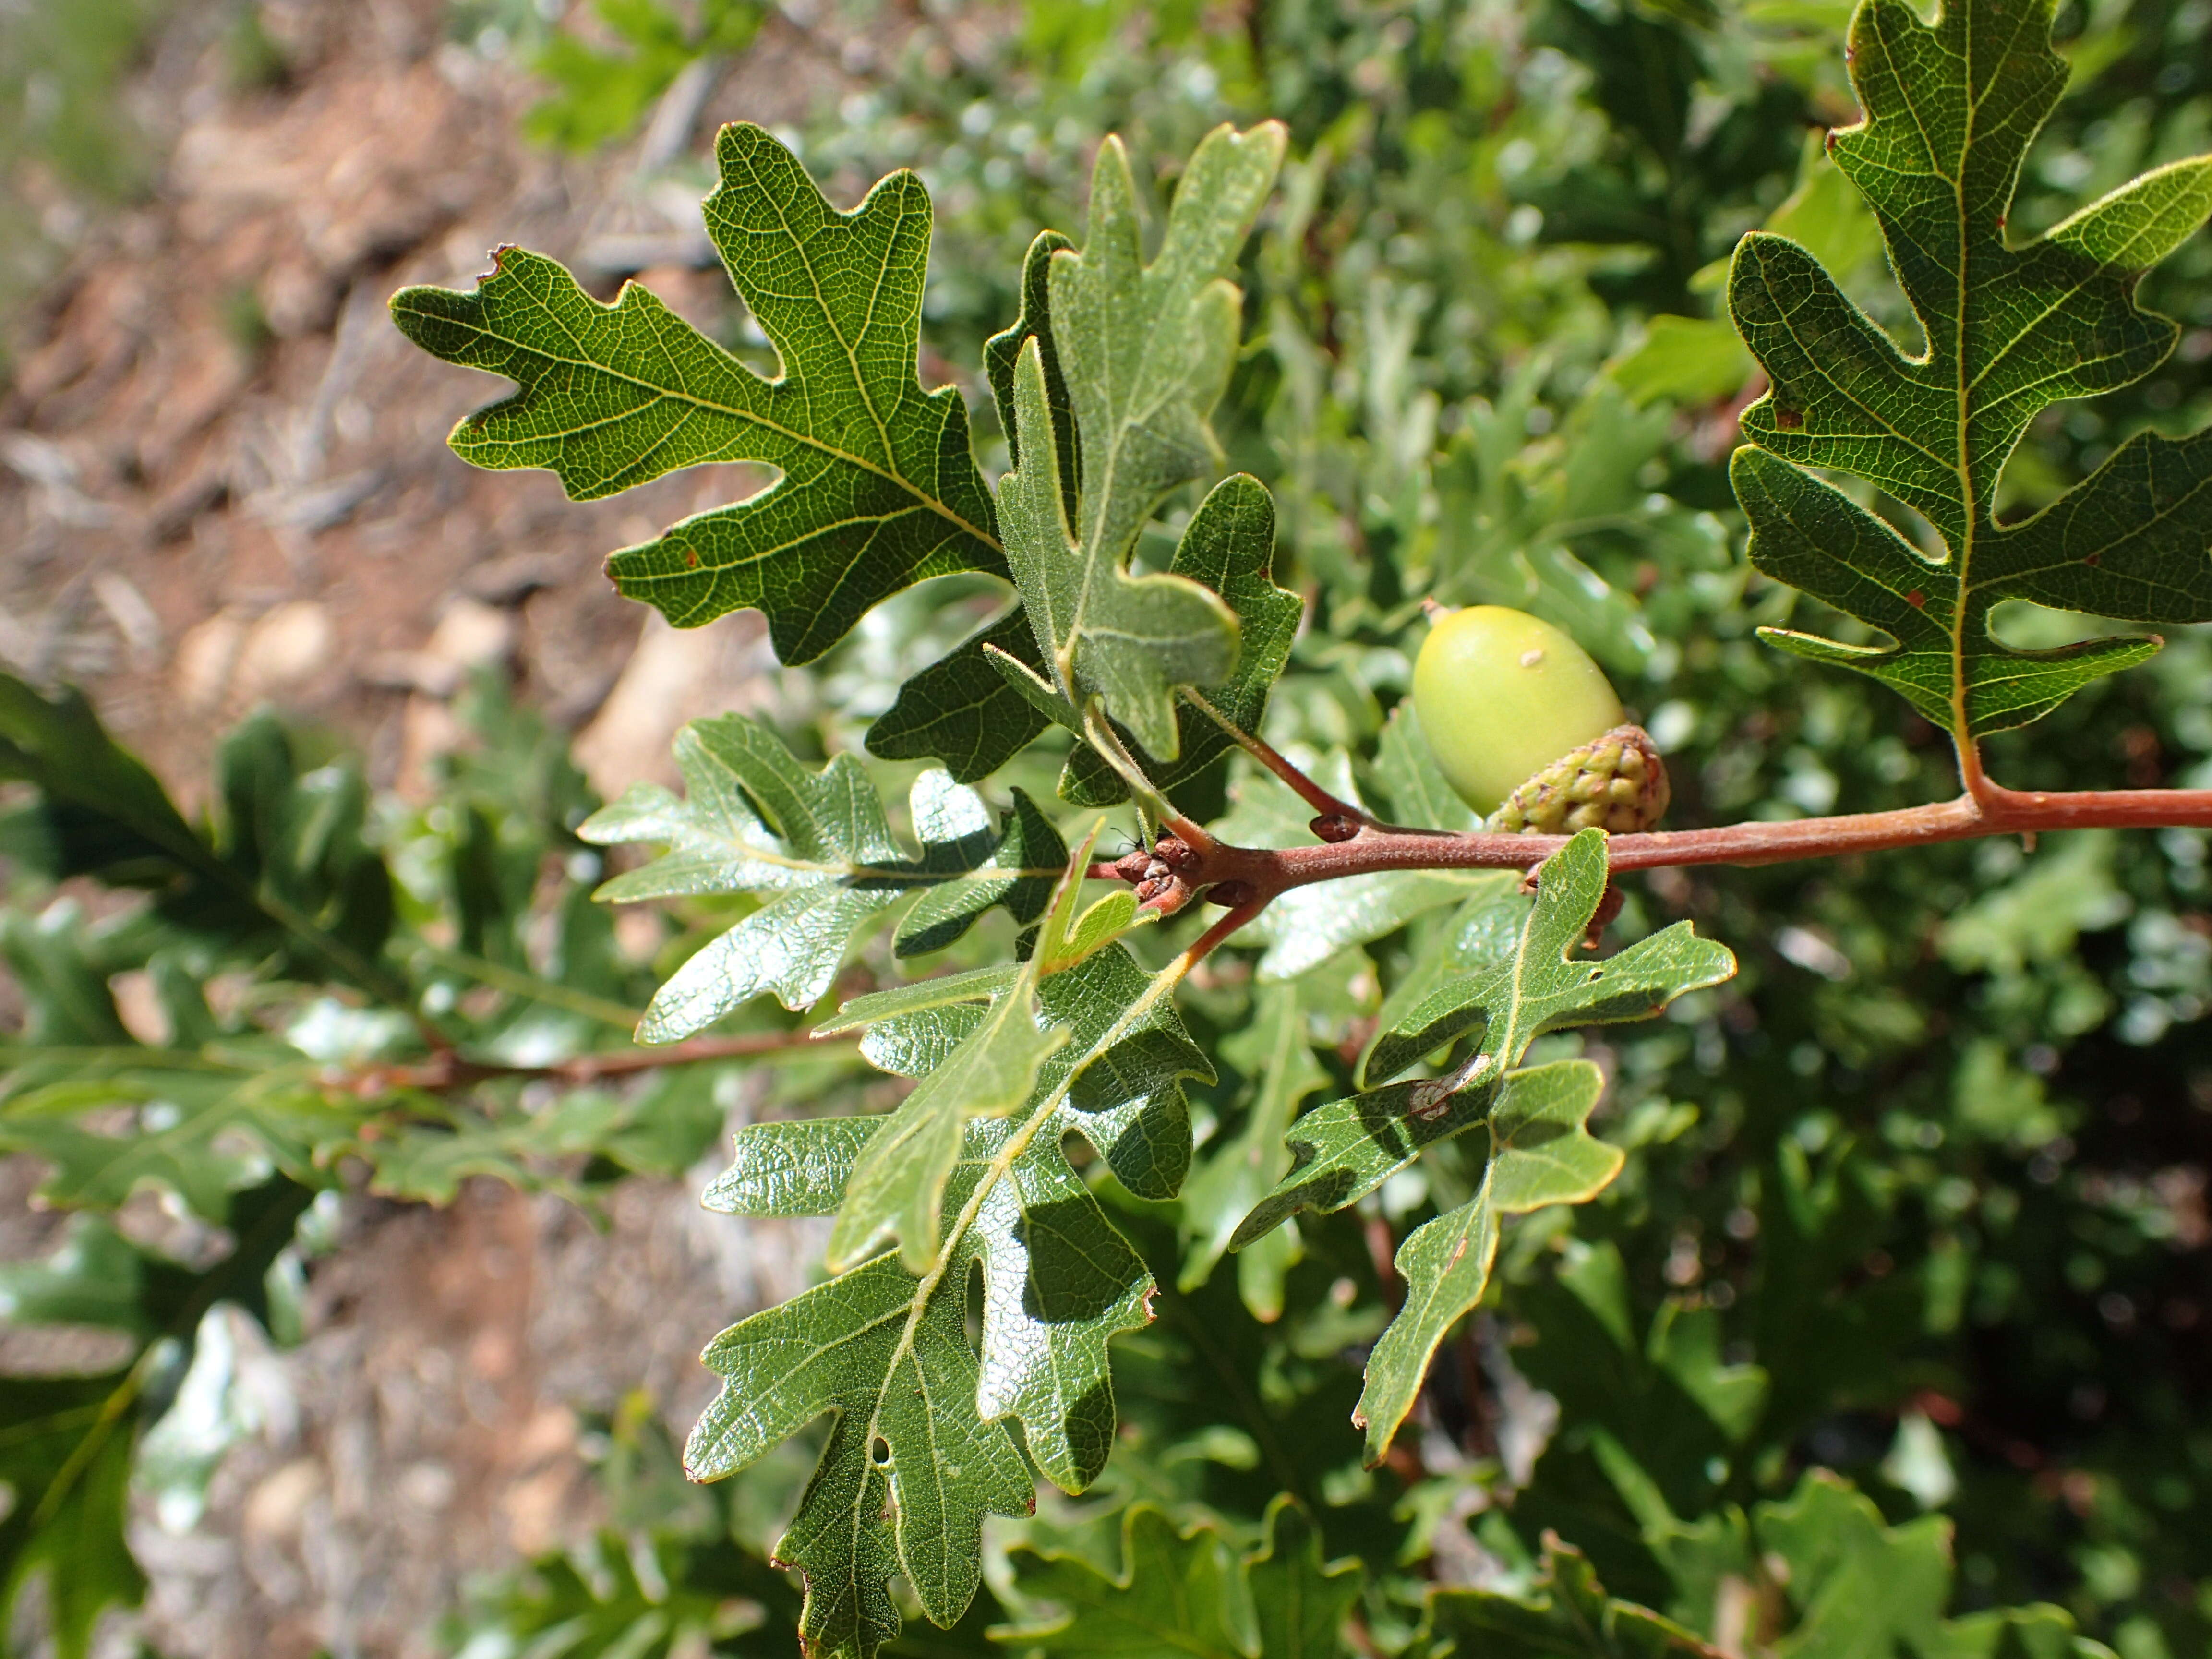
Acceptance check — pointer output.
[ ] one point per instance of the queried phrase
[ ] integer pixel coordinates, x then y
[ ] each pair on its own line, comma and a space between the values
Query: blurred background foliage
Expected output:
1921, 1198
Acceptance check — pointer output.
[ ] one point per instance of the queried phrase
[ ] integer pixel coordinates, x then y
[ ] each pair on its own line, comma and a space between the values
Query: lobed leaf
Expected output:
1951, 109
817, 847
1228, 547
1191, 1593
918, 1452
1146, 352
878, 489
1539, 1151
1564, 1613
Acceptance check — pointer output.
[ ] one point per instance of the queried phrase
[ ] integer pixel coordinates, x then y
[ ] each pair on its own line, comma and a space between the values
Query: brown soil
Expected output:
223, 482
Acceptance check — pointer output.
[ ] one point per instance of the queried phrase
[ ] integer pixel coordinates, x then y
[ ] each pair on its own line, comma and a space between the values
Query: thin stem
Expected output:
1206, 943
443, 1072
1265, 873
1275, 760
518, 983
1108, 742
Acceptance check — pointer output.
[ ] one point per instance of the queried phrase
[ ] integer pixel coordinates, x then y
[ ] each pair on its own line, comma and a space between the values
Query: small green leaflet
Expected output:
1565, 1614
919, 1454
817, 847
880, 487
1184, 1594
1540, 1152
1952, 109
1146, 351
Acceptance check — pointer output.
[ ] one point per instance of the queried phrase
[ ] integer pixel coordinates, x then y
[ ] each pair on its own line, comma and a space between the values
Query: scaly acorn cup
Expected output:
1616, 783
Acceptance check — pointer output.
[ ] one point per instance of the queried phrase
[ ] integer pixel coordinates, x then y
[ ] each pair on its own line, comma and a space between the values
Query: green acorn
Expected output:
1617, 783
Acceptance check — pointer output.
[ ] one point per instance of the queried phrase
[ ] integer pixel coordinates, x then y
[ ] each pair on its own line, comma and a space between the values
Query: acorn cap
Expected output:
1616, 783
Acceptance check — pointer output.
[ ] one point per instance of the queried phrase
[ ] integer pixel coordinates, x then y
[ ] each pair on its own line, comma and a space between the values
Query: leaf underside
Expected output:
1951, 110
880, 487
817, 847
1145, 350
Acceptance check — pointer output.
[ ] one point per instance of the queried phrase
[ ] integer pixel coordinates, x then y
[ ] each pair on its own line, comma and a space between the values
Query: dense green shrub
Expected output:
1866, 1286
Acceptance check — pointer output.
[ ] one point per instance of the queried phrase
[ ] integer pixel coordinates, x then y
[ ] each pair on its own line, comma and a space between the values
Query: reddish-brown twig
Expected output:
446, 1070
1263, 873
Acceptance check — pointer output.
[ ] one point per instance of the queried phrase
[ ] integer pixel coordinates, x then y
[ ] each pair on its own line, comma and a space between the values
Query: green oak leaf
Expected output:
1347, 1148
1228, 547
284, 867
1951, 110
1564, 1613
213, 1113
1145, 351
960, 709
1852, 1583
918, 1452
1539, 1153
818, 847
1544, 985
898, 1183
1299, 1603
1181, 1594
879, 488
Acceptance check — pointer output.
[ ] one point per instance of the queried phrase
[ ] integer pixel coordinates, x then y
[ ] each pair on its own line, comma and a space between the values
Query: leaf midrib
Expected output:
930, 502
1003, 1161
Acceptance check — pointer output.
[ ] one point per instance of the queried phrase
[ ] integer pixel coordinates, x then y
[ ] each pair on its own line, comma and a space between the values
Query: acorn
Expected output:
1616, 783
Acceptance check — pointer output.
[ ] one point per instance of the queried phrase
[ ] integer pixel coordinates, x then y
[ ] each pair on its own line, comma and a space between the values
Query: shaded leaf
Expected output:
960, 710
67, 1444
1275, 1050
1191, 1593
1228, 546
1539, 1151
1565, 1614
898, 1181
918, 1453
284, 868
